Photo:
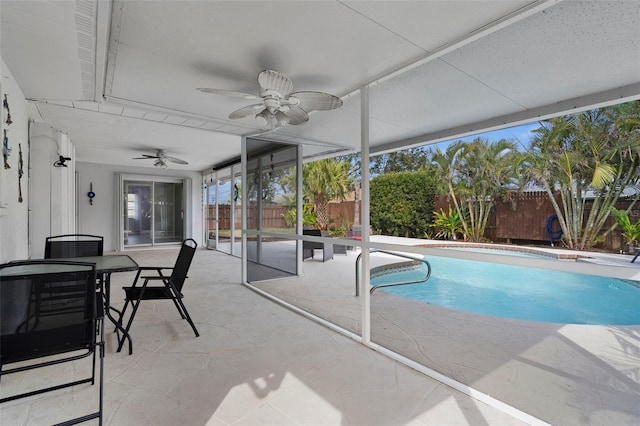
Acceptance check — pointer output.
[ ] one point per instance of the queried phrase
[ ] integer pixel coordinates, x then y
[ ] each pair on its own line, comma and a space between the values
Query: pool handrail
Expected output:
375, 287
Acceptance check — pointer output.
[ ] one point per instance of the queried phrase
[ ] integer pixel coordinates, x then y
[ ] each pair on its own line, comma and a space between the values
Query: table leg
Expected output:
107, 299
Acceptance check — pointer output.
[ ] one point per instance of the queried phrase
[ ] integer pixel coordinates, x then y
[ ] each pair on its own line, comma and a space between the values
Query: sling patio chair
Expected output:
73, 245
169, 287
48, 309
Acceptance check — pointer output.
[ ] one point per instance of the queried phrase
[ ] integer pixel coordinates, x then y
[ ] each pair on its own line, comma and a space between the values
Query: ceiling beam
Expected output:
570, 106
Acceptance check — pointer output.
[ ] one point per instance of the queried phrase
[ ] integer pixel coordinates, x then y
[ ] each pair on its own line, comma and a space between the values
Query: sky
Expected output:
521, 134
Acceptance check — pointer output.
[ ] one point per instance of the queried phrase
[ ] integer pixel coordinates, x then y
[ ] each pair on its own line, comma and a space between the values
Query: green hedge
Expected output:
402, 204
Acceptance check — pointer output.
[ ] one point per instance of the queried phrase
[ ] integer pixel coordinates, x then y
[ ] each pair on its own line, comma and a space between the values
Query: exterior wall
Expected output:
100, 218
14, 240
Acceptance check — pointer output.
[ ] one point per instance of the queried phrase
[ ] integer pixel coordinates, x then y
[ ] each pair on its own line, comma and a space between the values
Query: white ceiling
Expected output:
120, 77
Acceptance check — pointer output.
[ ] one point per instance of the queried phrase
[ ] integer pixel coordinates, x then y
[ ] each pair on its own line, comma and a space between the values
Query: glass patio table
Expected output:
105, 266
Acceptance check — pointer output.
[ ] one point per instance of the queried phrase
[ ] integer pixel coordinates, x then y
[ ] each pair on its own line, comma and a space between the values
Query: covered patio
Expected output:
255, 362
101, 90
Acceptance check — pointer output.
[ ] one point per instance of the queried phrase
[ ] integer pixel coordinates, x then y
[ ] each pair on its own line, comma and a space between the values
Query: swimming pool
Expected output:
520, 292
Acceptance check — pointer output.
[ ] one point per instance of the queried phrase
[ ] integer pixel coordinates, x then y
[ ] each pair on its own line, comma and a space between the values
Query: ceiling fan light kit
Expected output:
160, 163
263, 117
282, 118
280, 105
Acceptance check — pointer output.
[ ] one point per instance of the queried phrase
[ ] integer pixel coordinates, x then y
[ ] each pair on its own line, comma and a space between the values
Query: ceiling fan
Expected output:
161, 158
279, 105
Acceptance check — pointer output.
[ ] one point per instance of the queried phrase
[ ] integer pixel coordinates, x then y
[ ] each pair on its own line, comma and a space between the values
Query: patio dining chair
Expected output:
47, 308
169, 287
73, 245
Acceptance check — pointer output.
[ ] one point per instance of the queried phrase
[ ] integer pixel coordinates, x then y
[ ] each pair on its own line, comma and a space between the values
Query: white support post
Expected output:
217, 213
299, 200
243, 198
365, 264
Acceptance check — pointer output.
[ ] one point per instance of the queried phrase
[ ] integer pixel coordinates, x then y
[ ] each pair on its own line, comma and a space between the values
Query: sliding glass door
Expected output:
153, 212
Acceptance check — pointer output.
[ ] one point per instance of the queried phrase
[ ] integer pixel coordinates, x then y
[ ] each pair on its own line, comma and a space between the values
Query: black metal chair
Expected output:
73, 245
48, 307
171, 287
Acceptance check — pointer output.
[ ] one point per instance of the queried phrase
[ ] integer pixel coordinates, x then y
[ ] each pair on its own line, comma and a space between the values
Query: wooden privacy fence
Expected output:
272, 216
522, 219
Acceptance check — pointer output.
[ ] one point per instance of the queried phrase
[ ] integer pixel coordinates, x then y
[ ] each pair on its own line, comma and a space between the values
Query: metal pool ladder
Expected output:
375, 287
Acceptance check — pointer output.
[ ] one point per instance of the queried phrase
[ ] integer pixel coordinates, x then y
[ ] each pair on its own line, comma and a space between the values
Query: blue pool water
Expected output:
521, 293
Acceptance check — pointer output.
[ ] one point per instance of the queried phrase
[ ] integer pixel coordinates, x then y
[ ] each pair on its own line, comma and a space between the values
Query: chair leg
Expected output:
101, 399
178, 308
188, 317
121, 316
133, 314
126, 303
177, 300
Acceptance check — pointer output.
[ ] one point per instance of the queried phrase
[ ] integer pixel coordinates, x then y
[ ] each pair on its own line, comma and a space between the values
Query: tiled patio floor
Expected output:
255, 363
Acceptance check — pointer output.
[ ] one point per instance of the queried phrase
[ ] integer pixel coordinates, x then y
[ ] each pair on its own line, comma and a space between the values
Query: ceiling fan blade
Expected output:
175, 160
316, 101
231, 93
274, 80
297, 115
246, 111
145, 157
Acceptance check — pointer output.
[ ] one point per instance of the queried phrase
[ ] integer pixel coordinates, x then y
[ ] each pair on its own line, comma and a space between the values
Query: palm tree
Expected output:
489, 172
594, 152
447, 163
323, 181
477, 173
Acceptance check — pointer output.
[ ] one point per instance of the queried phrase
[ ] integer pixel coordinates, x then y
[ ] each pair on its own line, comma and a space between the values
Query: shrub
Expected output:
402, 203
308, 217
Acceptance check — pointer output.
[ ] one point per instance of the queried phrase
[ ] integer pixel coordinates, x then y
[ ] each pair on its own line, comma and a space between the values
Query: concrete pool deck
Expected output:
562, 374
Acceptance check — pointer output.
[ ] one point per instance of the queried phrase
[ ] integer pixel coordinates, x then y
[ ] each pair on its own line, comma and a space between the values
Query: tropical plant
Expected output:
447, 164
323, 181
448, 223
477, 174
591, 155
308, 216
340, 227
630, 231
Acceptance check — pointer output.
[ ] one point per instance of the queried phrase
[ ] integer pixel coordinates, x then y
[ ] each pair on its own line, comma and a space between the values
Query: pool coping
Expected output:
506, 247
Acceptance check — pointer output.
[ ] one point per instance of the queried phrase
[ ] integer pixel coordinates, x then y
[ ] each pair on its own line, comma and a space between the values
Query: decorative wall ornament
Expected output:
6, 151
5, 104
20, 172
91, 194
